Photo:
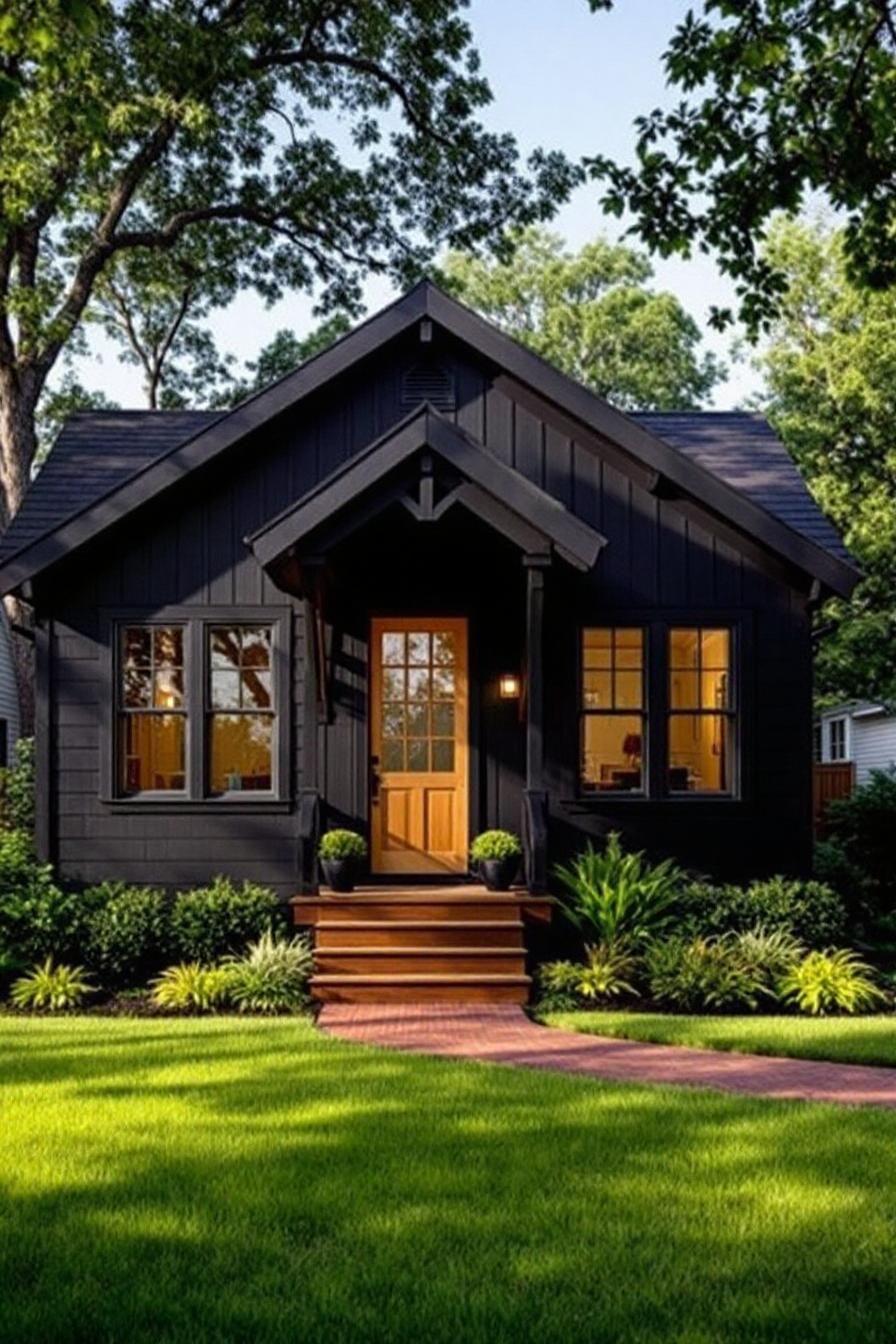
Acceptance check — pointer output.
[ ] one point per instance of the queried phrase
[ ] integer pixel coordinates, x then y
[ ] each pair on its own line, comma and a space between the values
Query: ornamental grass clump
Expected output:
190, 987
51, 987
834, 981
607, 973
272, 976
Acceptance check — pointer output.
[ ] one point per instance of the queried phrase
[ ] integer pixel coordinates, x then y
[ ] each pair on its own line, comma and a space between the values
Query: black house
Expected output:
422, 586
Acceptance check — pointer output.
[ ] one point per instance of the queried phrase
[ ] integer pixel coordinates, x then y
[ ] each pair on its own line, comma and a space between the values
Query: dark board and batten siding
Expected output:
189, 551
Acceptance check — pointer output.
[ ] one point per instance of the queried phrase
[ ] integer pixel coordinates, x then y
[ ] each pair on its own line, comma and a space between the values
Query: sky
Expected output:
563, 78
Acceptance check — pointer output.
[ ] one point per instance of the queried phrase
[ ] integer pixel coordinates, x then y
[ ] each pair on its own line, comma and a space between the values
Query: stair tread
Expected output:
426, 950
421, 977
343, 924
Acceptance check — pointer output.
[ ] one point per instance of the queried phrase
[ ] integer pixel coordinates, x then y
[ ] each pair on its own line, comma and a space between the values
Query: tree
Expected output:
830, 369
284, 352
593, 314
781, 98
306, 143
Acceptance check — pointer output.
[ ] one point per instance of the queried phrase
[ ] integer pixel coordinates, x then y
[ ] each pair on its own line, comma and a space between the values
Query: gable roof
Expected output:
40, 540
507, 500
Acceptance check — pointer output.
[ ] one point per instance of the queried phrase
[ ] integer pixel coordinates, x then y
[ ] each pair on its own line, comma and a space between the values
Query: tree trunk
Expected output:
18, 444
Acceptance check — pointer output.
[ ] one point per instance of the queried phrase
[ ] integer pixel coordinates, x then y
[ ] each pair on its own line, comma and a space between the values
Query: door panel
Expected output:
419, 744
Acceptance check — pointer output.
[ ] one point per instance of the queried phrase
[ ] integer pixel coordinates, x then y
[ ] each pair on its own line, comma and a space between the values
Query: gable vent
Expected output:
427, 382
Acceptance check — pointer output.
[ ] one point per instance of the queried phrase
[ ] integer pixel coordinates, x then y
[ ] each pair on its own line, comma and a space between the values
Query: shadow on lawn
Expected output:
259, 1182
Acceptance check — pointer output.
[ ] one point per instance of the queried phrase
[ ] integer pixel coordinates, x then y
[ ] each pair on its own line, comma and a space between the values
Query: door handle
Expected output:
374, 779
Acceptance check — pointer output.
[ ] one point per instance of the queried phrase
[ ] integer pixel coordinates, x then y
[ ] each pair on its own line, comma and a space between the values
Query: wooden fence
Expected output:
836, 780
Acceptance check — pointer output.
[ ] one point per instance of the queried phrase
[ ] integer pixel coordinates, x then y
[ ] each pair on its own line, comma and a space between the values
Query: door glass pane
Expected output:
418, 754
443, 754
418, 649
418, 688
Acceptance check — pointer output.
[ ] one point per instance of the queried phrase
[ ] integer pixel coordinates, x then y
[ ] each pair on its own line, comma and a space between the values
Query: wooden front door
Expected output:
419, 735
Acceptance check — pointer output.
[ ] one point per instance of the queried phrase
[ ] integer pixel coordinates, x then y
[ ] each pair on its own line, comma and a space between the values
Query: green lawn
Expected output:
224, 1180
850, 1040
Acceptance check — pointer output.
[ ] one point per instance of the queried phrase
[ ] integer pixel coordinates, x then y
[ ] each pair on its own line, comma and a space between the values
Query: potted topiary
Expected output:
341, 853
497, 856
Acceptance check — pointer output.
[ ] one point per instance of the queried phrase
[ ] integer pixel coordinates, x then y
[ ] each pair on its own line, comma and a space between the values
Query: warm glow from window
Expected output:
152, 709
701, 711
241, 718
613, 703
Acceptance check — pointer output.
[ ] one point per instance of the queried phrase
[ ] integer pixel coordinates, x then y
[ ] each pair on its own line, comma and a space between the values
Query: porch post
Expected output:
309, 793
534, 820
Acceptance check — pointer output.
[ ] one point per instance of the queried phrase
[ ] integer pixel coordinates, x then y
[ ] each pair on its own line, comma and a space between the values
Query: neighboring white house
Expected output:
859, 731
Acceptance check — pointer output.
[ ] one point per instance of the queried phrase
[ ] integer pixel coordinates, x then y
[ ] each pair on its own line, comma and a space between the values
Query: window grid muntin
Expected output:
726, 712
126, 713
213, 712
591, 663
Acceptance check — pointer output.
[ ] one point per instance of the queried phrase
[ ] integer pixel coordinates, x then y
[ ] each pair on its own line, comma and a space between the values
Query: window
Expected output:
196, 712
817, 744
152, 709
241, 709
700, 711
837, 730
613, 710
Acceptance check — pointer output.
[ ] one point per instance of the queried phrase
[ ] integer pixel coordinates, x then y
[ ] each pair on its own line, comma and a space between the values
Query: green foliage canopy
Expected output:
779, 99
594, 315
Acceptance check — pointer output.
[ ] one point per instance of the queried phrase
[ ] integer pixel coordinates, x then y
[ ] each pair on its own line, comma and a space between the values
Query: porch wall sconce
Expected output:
509, 686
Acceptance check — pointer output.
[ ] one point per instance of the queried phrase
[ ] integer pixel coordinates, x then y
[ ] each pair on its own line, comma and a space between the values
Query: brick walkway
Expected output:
504, 1035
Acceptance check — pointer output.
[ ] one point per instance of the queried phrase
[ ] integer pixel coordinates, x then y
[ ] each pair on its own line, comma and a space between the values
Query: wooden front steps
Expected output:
420, 944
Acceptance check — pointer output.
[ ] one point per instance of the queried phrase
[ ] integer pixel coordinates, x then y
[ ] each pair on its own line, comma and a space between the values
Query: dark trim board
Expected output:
499, 495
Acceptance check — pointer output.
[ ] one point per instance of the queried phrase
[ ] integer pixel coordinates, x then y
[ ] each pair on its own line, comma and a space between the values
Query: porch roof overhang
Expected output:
372, 480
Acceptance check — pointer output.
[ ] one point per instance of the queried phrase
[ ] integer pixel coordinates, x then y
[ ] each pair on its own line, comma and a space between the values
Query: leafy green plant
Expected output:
768, 953
860, 833
17, 789
37, 918
620, 898
495, 846
700, 974
128, 932
836, 980
56, 987
342, 844
190, 986
607, 973
272, 976
212, 922
811, 911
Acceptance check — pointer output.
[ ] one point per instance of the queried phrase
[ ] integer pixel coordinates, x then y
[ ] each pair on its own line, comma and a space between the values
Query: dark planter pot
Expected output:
340, 874
497, 874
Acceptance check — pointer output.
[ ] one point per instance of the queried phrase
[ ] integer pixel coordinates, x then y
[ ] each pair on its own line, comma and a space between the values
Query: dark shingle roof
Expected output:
743, 450
97, 451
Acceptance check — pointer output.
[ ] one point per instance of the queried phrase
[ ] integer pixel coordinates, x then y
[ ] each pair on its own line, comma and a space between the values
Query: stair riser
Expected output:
421, 910
396, 935
418, 963
420, 994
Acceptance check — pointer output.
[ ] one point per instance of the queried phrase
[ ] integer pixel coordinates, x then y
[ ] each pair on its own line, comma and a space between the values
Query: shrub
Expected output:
860, 831
17, 789
190, 986
811, 911
495, 846
620, 898
696, 974
342, 844
214, 921
54, 987
768, 953
836, 980
37, 918
128, 932
607, 973
273, 975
